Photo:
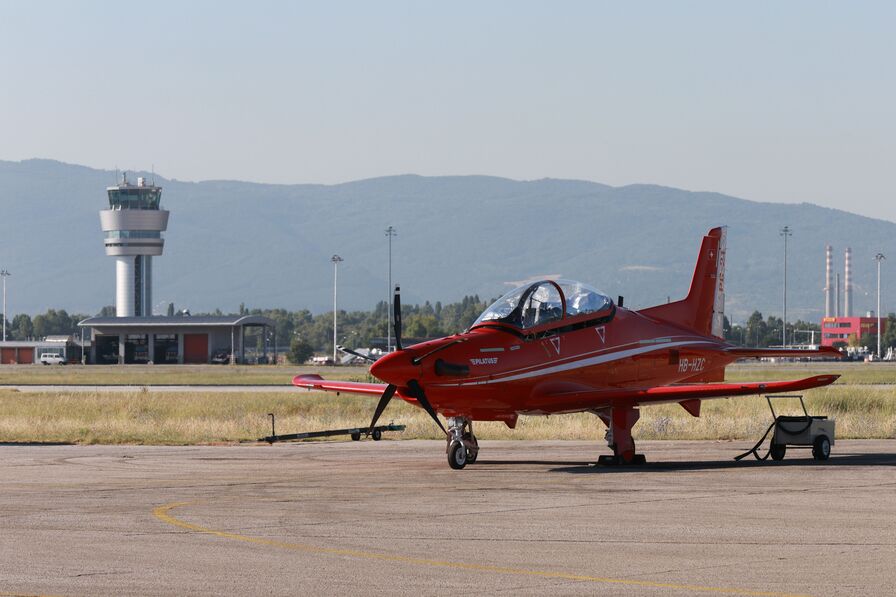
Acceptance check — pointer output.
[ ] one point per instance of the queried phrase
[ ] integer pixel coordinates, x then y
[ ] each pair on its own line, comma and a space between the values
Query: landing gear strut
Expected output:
619, 422
463, 449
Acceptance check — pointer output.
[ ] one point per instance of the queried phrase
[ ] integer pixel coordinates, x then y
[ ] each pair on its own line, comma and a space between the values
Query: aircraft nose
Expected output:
395, 368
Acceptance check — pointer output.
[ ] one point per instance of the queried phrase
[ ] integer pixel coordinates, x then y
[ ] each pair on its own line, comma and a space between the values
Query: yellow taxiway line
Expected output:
163, 513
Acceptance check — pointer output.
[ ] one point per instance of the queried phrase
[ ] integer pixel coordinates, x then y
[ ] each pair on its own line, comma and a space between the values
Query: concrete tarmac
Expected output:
390, 517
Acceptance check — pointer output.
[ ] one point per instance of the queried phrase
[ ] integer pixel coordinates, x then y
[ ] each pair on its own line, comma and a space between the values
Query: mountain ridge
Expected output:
268, 245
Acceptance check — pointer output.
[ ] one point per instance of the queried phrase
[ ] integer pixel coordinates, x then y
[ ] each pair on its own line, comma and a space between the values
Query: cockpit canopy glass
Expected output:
539, 303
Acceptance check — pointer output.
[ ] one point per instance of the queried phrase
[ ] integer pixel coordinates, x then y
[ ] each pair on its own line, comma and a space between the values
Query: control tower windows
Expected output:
135, 198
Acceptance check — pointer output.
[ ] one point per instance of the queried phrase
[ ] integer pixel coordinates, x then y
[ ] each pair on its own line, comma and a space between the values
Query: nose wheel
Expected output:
463, 448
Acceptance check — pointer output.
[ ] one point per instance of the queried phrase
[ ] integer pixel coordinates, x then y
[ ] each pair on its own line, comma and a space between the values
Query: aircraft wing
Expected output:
582, 399
316, 382
758, 353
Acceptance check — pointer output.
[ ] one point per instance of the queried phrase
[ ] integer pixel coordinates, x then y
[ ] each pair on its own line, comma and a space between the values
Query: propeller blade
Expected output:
396, 315
414, 386
381, 405
356, 354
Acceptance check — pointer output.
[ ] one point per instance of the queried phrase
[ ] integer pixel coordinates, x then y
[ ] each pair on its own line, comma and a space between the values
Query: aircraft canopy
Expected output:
538, 303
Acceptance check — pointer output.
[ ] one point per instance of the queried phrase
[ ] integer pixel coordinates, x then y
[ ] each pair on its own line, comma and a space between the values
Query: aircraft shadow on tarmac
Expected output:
591, 467
847, 460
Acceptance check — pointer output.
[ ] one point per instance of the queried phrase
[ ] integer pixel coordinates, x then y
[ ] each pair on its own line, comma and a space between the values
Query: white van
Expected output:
51, 358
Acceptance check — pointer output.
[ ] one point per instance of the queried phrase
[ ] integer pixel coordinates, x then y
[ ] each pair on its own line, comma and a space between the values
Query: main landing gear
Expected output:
463, 449
619, 422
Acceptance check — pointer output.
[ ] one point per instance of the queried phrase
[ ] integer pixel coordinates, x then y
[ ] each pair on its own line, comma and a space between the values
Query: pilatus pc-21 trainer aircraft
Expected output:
555, 346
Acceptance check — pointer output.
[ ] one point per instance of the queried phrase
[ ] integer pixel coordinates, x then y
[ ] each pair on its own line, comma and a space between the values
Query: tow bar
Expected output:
355, 432
804, 431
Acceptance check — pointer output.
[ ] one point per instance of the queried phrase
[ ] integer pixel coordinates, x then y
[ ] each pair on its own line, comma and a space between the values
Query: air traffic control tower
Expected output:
133, 227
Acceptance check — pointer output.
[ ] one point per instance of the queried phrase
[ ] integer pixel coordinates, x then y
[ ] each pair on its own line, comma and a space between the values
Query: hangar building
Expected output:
185, 339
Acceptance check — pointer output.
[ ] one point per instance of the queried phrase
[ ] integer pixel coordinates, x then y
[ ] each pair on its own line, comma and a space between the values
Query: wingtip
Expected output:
306, 379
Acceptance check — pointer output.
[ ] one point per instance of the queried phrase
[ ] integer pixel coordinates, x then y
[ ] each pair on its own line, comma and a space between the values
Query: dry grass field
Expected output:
862, 403
143, 417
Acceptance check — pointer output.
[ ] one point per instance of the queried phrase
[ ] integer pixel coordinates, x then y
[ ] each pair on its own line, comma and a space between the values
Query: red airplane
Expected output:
557, 346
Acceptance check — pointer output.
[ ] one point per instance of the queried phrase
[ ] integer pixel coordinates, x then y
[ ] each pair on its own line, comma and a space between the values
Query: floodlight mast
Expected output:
879, 257
785, 232
390, 232
335, 259
5, 274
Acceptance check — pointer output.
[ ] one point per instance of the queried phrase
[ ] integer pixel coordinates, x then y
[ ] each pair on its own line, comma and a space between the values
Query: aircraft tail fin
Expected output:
703, 309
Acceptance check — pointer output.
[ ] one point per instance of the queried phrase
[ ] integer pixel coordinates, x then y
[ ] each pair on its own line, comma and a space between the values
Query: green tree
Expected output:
889, 338
869, 341
756, 329
22, 328
299, 351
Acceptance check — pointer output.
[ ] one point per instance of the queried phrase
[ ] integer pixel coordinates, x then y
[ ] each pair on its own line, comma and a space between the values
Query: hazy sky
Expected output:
771, 101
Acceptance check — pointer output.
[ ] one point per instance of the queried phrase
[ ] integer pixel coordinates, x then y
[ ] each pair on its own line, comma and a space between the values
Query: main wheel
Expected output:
377, 435
474, 453
821, 448
777, 451
457, 455
356, 436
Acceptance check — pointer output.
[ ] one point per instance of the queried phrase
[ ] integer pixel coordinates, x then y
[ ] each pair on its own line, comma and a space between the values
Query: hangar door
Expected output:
195, 348
8, 355
26, 356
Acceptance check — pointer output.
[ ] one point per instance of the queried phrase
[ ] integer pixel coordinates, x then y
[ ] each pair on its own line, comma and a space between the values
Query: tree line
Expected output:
51, 323
362, 329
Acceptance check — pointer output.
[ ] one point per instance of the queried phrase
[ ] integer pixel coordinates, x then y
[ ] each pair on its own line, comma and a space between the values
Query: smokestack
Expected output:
847, 284
837, 308
828, 288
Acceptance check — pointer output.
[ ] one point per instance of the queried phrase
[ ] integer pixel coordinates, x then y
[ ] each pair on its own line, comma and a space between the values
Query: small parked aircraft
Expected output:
557, 346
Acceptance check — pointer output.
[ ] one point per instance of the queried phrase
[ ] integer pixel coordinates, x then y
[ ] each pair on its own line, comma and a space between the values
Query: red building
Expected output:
837, 331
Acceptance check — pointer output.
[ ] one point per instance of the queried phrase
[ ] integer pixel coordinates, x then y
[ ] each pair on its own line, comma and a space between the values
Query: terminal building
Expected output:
177, 340
848, 331
132, 228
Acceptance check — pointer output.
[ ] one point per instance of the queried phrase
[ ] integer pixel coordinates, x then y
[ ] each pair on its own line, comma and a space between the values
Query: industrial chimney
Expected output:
828, 287
847, 284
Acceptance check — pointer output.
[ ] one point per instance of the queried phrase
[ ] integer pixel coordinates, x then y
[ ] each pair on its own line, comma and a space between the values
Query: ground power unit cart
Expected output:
800, 431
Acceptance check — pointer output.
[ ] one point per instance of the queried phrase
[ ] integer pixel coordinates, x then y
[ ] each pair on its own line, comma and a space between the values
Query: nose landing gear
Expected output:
462, 449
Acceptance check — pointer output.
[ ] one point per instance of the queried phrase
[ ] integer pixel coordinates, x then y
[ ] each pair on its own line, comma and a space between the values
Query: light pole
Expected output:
390, 232
879, 257
5, 274
335, 259
785, 232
